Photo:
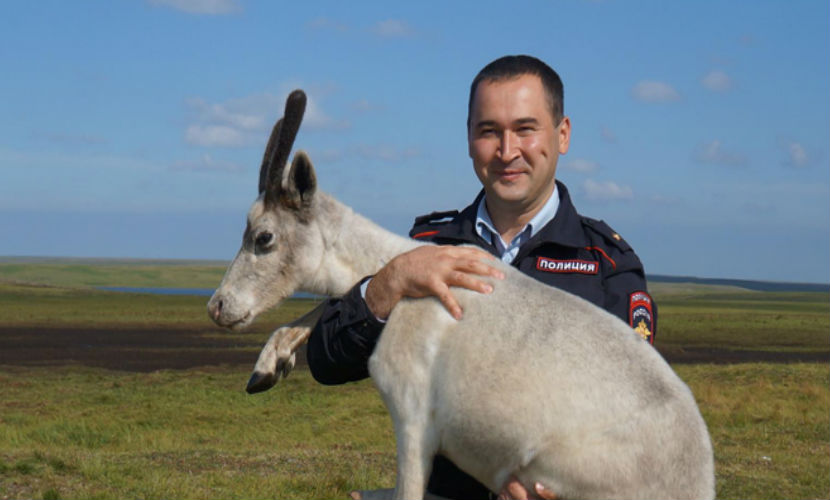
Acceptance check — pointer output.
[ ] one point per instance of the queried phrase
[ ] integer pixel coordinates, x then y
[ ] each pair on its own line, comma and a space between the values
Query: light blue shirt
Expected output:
507, 252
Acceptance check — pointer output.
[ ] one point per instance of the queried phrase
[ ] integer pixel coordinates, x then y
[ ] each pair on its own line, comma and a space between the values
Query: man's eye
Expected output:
264, 239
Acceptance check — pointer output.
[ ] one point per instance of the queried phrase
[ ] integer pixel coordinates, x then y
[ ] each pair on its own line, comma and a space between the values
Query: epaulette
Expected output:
599, 226
435, 217
429, 225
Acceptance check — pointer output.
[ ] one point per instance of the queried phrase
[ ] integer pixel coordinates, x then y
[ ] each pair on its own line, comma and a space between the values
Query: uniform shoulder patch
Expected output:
599, 226
428, 225
435, 217
641, 314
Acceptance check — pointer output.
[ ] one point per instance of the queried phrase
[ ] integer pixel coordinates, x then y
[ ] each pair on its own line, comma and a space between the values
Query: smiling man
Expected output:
516, 130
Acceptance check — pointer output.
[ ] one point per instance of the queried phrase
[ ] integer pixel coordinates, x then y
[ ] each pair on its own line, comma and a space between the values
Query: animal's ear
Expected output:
281, 145
269, 153
301, 183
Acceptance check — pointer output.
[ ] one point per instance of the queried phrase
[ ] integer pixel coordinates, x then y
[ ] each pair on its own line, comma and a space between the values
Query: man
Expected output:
516, 131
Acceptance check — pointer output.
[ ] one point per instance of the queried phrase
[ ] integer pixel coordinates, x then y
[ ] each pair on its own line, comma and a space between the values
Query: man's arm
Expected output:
430, 271
343, 339
627, 297
348, 330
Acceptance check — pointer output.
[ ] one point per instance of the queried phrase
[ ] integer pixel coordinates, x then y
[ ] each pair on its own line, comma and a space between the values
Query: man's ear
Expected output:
300, 184
564, 132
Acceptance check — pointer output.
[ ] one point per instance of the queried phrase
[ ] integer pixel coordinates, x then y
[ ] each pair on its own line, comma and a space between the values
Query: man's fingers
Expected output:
469, 281
515, 490
431, 271
544, 493
448, 299
476, 266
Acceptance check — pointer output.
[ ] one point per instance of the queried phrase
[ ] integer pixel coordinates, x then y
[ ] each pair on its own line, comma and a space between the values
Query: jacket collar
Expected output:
565, 229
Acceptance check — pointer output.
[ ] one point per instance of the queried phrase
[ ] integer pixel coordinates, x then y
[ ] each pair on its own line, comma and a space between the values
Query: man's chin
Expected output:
508, 191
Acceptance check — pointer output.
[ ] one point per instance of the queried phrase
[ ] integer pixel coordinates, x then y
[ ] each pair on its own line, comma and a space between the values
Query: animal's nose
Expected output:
215, 309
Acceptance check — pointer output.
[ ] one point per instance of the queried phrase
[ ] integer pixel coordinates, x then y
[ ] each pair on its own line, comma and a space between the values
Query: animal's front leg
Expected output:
416, 449
278, 355
416, 434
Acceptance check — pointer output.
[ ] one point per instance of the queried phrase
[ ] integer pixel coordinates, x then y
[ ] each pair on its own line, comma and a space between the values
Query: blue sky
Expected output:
135, 128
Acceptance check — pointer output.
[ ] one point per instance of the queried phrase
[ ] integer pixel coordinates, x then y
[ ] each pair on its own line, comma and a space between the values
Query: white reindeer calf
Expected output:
534, 382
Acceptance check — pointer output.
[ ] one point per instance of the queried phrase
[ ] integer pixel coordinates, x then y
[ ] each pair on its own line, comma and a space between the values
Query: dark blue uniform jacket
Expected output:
574, 253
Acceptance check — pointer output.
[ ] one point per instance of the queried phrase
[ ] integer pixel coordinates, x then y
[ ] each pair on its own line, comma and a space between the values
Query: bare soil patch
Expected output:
145, 349
131, 349
700, 355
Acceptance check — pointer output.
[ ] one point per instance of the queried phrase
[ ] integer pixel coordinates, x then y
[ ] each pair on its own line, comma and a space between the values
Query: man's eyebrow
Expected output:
526, 121
518, 122
485, 123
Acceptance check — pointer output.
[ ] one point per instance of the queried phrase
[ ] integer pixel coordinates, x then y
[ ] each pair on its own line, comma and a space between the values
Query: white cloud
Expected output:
211, 7
207, 164
653, 91
245, 113
796, 155
393, 28
717, 81
215, 136
606, 191
713, 153
247, 120
581, 165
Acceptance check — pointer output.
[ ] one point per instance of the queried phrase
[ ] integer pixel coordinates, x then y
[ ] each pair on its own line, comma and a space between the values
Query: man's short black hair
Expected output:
515, 66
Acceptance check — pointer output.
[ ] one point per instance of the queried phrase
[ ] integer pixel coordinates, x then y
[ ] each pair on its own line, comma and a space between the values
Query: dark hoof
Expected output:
260, 382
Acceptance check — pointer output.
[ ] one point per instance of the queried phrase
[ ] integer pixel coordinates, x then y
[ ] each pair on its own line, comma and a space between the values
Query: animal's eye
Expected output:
263, 239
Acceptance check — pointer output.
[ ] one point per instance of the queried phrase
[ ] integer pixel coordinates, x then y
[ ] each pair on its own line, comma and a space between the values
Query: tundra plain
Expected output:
119, 395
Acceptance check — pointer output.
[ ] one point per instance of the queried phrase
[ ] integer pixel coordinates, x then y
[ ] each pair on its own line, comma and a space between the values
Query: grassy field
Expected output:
87, 273
781, 321
72, 431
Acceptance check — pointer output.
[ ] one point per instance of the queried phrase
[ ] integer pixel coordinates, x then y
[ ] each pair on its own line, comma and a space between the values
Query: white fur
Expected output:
533, 382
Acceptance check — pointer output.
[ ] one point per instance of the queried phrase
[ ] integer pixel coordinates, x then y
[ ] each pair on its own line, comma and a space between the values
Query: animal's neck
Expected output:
355, 247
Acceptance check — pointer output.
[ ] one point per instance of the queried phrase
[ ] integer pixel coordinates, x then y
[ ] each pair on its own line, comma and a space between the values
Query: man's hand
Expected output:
430, 271
514, 490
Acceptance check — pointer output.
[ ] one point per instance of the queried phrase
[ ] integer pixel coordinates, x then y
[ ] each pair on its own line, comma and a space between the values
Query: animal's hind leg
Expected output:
570, 472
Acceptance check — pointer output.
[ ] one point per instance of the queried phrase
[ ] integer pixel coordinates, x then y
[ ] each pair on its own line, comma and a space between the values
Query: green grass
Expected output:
90, 274
784, 321
74, 432
44, 306
195, 434
770, 427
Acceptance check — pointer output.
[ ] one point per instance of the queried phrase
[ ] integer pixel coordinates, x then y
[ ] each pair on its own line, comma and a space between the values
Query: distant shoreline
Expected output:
762, 286
201, 292
758, 285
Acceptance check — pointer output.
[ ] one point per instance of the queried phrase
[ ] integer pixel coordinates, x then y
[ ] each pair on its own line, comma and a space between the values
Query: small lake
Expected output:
202, 292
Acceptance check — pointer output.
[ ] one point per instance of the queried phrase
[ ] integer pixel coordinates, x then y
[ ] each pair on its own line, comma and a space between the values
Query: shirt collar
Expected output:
484, 224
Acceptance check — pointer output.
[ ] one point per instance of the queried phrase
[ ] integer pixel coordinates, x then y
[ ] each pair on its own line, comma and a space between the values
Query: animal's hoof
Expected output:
355, 495
260, 382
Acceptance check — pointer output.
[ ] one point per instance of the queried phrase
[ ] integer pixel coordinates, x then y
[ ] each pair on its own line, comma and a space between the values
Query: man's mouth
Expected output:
510, 175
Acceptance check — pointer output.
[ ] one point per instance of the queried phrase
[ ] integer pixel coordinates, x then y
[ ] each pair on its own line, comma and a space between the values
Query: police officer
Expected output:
516, 131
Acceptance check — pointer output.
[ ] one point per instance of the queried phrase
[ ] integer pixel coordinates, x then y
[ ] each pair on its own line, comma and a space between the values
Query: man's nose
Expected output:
509, 147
